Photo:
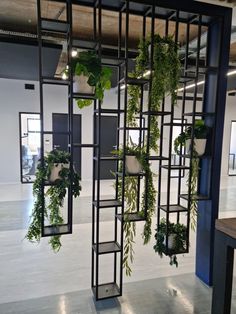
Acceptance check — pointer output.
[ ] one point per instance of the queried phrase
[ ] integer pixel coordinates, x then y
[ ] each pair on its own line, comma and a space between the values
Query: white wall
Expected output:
15, 99
230, 115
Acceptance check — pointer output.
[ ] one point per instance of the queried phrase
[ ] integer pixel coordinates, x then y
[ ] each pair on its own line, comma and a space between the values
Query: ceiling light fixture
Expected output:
74, 53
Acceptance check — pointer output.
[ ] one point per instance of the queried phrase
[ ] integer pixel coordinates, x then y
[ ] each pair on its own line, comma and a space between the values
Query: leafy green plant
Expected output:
89, 64
179, 231
165, 79
200, 131
55, 195
131, 199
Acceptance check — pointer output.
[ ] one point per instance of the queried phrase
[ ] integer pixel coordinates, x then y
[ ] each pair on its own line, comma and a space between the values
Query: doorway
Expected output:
29, 123
60, 141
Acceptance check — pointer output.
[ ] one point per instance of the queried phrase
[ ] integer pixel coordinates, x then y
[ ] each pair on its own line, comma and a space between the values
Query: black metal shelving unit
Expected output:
209, 108
61, 29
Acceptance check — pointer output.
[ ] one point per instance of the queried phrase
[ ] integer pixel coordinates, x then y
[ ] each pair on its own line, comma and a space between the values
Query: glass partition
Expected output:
232, 150
29, 145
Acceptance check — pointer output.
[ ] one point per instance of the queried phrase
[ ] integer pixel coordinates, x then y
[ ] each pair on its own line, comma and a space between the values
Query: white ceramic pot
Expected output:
132, 165
171, 241
199, 146
56, 170
80, 85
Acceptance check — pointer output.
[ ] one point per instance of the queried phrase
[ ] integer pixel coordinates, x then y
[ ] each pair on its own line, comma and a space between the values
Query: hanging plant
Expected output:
54, 197
88, 67
134, 91
200, 132
131, 199
165, 80
177, 235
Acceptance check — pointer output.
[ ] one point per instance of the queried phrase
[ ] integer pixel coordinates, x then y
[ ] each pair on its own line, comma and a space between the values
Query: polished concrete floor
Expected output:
34, 280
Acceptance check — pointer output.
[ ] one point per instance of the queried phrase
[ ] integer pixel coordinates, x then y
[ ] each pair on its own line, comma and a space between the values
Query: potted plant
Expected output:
138, 162
177, 235
54, 195
90, 76
200, 132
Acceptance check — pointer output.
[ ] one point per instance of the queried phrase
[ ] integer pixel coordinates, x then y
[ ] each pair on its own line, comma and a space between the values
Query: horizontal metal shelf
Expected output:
56, 132
156, 113
134, 81
107, 203
110, 158
169, 252
133, 128
84, 44
106, 291
157, 158
107, 247
54, 26
175, 167
56, 230
173, 208
83, 96
177, 124
198, 114
85, 145
54, 81
131, 217
112, 111
198, 197
141, 174
112, 61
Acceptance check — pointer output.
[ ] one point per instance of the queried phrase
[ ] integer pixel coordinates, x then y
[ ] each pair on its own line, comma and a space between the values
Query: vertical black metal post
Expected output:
214, 101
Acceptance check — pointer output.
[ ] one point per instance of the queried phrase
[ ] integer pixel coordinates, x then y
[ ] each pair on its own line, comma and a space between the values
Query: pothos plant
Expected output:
51, 203
131, 199
179, 235
89, 64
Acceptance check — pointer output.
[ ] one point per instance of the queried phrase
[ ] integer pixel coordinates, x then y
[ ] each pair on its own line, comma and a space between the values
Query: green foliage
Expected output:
192, 183
165, 79
55, 195
131, 199
89, 64
180, 232
200, 131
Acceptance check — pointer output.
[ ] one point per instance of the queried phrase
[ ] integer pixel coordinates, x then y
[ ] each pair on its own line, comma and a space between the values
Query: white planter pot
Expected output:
199, 146
80, 85
56, 170
171, 241
132, 165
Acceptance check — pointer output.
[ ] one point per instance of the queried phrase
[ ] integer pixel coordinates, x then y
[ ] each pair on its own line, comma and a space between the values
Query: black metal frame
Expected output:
62, 28
217, 20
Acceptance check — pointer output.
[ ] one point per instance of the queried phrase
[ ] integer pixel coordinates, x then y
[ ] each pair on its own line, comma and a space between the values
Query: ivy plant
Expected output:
52, 201
180, 235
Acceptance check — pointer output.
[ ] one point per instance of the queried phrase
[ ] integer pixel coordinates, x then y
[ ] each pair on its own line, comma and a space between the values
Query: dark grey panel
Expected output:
20, 61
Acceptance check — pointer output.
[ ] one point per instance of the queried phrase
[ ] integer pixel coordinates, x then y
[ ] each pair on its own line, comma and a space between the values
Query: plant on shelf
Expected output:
199, 133
89, 70
165, 79
55, 170
131, 199
176, 234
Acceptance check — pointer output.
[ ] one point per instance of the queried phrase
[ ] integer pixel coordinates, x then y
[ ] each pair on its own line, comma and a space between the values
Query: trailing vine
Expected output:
193, 191
54, 195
